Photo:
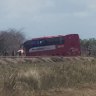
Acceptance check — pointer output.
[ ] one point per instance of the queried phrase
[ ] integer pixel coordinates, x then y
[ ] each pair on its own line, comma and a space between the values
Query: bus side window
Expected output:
49, 41
35, 43
42, 42
61, 40
55, 41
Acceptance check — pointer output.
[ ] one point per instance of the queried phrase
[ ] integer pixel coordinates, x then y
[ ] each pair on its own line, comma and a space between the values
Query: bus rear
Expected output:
72, 45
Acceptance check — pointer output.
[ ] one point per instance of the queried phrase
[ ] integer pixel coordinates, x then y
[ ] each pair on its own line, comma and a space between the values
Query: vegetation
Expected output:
52, 76
10, 41
88, 46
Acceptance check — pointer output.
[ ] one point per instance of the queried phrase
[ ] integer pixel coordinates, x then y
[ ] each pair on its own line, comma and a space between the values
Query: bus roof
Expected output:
52, 36
46, 37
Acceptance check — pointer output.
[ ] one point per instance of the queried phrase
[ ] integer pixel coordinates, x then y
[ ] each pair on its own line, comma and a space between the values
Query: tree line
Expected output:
10, 41
88, 47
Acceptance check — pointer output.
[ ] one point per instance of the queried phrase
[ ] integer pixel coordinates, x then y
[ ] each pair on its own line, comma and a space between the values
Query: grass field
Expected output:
48, 76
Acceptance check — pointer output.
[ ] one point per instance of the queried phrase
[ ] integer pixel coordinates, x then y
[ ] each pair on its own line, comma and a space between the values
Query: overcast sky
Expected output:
38, 18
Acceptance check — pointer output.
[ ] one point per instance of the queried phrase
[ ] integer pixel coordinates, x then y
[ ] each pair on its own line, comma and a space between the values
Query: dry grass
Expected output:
54, 76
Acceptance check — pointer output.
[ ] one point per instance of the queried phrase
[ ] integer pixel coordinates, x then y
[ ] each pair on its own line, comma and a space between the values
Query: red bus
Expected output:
68, 45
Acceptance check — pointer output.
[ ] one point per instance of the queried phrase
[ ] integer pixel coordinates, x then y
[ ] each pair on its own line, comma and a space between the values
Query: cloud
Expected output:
92, 5
18, 8
30, 8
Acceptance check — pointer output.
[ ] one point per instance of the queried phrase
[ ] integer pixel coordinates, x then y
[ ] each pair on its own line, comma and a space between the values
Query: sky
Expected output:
38, 18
